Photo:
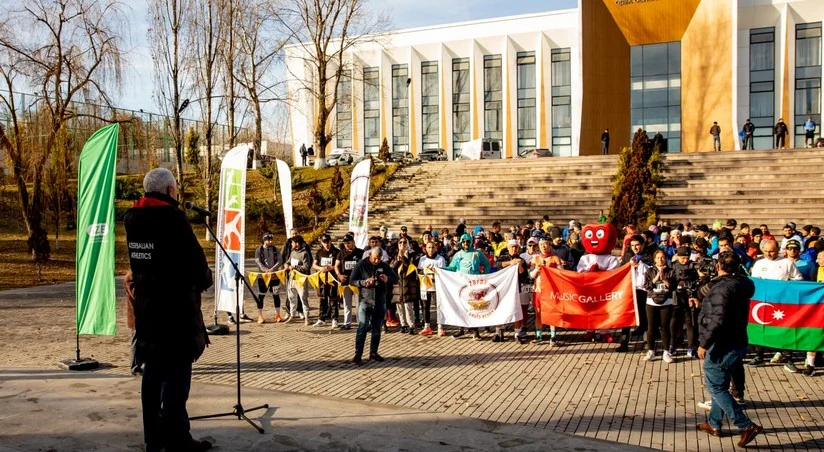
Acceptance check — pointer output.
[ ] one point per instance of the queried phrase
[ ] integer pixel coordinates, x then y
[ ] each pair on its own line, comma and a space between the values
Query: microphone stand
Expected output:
238, 409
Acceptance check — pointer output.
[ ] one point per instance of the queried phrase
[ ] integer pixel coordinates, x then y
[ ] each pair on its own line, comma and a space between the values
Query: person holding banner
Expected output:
372, 277
299, 264
426, 264
524, 286
470, 261
404, 265
546, 258
348, 257
267, 259
639, 270
169, 272
327, 288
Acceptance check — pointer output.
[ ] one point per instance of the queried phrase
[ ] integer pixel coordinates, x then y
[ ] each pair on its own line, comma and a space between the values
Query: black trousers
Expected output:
329, 302
640, 308
263, 289
659, 317
164, 393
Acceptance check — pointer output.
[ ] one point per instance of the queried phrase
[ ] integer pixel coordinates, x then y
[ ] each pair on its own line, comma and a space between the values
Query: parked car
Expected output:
483, 148
341, 157
401, 157
535, 153
432, 155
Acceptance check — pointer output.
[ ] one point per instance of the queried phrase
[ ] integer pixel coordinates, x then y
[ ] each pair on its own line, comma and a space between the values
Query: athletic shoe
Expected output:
477, 336
809, 370
790, 367
393, 323
441, 332
278, 319
705, 405
622, 348
537, 341
554, 343
302, 317
261, 320
523, 339
671, 351
691, 353
231, 321
334, 323
412, 331
245, 319
404, 329
778, 358
319, 323
346, 327
426, 331
649, 356
459, 333
757, 361
667, 357
748, 434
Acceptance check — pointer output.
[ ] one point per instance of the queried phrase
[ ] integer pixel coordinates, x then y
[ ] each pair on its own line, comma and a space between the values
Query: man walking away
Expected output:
749, 129
371, 276
605, 142
723, 344
715, 131
780, 131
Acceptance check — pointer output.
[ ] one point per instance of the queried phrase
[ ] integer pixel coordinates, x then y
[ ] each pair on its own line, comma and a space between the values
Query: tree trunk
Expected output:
258, 128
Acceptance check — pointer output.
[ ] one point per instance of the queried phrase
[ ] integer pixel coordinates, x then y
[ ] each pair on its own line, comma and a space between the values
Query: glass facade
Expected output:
430, 131
561, 102
400, 108
344, 112
460, 104
526, 101
762, 86
371, 110
655, 86
807, 78
493, 99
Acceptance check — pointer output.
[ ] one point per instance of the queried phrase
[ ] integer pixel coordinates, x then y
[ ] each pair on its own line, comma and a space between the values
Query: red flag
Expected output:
595, 300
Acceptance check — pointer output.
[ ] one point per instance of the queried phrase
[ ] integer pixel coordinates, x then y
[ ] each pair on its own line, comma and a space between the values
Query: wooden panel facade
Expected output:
652, 21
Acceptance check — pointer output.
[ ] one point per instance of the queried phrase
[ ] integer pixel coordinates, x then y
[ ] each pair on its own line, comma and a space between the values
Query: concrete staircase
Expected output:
756, 187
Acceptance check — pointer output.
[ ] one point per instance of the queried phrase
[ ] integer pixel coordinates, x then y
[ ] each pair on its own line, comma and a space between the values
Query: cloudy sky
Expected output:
404, 14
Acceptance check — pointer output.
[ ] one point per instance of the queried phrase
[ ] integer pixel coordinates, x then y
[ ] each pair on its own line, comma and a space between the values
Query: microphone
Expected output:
189, 206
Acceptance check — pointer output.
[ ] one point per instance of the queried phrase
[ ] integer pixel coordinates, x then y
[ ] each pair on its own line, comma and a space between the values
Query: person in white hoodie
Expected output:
425, 265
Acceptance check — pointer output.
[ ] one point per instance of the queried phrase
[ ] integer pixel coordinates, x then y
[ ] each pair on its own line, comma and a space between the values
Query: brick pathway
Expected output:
580, 388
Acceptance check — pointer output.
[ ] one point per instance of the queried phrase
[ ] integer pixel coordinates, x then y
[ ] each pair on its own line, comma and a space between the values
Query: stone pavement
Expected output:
583, 389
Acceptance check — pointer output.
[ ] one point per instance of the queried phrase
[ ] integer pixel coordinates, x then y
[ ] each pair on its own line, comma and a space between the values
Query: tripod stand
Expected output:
238, 409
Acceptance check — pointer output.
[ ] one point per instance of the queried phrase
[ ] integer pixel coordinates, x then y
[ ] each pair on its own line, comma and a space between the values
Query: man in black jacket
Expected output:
170, 271
749, 130
723, 344
372, 277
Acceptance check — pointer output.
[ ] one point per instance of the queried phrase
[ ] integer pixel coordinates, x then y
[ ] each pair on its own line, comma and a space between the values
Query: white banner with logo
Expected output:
285, 178
359, 203
231, 226
477, 301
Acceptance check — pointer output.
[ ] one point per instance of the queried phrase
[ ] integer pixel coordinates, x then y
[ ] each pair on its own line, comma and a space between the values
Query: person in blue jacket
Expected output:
472, 262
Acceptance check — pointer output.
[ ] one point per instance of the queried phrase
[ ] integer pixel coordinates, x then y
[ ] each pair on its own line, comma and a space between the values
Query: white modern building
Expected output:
558, 79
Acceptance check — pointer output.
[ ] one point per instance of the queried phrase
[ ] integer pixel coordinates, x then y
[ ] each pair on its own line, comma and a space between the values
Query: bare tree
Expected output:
260, 44
68, 50
229, 14
207, 37
173, 74
325, 31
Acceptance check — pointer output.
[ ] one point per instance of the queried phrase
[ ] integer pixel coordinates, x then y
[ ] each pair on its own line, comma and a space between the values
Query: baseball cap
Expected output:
348, 238
664, 236
683, 251
403, 228
384, 229
394, 235
326, 238
544, 238
790, 225
654, 229
793, 242
268, 236
513, 243
537, 233
532, 240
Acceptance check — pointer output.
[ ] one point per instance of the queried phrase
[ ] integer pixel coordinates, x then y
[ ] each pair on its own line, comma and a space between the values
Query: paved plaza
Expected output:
582, 389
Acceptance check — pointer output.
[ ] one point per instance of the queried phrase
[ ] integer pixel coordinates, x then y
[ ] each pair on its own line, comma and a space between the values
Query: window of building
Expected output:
493, 103
400, 108
807, 78
526, 100
762, 85
561, 102
344, 112
429, 105
460, 104
655, 86
371, 110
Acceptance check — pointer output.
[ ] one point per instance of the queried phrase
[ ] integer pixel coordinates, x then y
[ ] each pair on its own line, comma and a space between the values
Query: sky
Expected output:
137, 89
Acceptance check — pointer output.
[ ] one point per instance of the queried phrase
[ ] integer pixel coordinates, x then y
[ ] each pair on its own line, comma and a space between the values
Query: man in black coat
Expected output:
169, 272
372, 277
723, 344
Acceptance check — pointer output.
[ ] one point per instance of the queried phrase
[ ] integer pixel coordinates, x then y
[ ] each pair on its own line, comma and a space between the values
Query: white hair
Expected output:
159, 180
764, 243
376, 251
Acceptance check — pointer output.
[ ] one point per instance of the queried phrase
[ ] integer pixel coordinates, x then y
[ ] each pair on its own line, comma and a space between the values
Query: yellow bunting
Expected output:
267, 277
252, 278
410, 270
314, 280
281, 276
300, 278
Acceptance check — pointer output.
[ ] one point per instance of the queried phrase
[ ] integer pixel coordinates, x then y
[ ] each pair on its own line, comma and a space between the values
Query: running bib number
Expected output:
325, 261
295, 262
349, 265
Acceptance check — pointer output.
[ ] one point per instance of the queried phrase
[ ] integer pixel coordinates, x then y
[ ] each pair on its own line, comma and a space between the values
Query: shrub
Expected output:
127, 189
636, 184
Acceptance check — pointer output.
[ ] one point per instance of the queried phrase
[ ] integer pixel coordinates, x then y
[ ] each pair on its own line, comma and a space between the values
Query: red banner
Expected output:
587, 301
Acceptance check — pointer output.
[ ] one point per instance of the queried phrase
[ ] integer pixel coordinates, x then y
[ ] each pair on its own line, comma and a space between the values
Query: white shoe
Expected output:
320, 323
706, 405
778, 358
302, 316
667, 357
649, 356
334, 323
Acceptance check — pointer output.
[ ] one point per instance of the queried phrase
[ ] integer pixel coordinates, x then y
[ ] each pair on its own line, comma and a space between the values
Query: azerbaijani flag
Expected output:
787, 315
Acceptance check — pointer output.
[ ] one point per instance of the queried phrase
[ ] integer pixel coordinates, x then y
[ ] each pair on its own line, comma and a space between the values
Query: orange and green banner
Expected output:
787, 315
96, 309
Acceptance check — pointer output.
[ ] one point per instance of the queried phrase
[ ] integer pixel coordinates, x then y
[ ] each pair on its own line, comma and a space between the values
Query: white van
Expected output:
481, 149
341, 157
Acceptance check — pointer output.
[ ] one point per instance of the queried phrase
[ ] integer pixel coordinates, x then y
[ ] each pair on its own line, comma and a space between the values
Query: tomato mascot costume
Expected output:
599, 240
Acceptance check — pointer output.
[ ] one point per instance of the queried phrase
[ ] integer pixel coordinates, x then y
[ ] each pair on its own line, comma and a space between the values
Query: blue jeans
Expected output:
717, 373
164, 392
369, 317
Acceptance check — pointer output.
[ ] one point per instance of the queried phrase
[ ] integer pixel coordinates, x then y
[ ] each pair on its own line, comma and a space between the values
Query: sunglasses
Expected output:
403, 241
794, 248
